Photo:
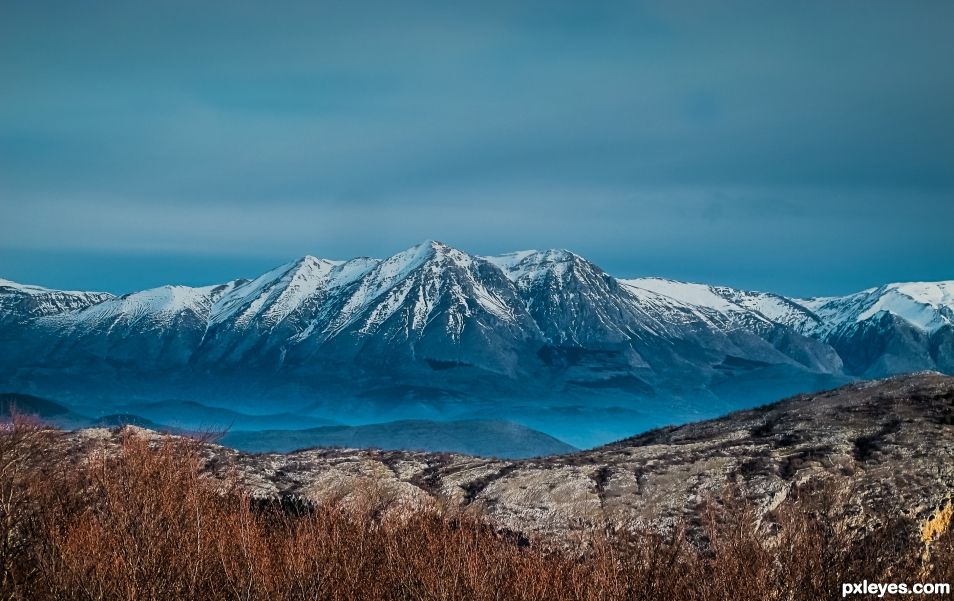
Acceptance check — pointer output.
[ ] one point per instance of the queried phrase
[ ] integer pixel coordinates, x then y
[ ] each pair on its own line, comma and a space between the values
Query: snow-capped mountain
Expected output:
927, 306
728, 307
430, 303
891, 329
434, 325
22, 302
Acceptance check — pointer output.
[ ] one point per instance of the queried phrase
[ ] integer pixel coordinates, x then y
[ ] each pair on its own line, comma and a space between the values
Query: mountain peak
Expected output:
931, 293
313, 260
23, 288
427, 246
559, 254
534, 263
435, 244
927, 306
435, 248
410, 259
309, 267
33, 289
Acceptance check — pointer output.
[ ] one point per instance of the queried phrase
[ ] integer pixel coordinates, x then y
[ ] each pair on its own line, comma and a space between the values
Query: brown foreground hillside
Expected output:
782, 502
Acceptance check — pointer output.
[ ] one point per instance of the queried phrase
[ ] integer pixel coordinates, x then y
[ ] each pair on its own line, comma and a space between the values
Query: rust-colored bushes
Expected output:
143, 521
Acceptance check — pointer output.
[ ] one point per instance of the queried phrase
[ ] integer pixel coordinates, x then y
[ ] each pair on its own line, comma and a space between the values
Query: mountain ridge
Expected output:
433, 330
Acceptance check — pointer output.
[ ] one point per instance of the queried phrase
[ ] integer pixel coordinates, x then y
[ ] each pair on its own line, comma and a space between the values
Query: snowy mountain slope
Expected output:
435, 321
645, 335
928, 306
577, 303
427, 300
414, 280
728, 307
777, 309
159, 306
759, 324
428, 303
159, 328
573, 301
891, 329
22, 302
261, 316
272, 296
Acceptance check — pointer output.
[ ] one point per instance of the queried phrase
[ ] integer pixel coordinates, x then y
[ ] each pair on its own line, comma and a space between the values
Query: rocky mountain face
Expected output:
436, 331
886, 446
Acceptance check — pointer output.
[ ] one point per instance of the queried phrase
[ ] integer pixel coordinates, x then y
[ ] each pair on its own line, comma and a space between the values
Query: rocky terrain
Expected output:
885, 445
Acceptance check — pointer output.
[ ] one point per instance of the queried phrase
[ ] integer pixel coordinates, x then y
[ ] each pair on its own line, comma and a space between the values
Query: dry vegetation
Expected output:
144, 522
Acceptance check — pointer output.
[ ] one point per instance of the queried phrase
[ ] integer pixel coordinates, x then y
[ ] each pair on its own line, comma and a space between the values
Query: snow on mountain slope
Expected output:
22, 301
528, 266
157, 307
386, 287
576, 302
927, 306
703, 301
697, 295
730, 307
508, 262
749, 323
157, 329
265, 316
160, 305
11, 287
276, 294
427, 282
650, 329
430, 305
700, 296
440, 314
573, 301
777, 309
895, 328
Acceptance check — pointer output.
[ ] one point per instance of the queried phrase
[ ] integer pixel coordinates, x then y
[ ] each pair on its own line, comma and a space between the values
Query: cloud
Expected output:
656, 129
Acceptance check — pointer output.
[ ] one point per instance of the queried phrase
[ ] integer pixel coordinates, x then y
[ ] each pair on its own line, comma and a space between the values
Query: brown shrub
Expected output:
144, 521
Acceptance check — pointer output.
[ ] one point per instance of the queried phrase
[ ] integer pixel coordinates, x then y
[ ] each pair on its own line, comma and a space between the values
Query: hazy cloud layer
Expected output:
802, 147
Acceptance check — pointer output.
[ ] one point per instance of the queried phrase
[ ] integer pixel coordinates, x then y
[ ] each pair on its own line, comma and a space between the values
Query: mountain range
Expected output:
289, 432
545, 338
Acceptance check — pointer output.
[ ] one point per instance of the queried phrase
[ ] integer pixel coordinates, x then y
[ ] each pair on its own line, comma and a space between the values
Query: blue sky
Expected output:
806, 148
